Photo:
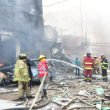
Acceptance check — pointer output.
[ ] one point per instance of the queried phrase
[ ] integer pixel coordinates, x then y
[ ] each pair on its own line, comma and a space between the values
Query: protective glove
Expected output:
25, 77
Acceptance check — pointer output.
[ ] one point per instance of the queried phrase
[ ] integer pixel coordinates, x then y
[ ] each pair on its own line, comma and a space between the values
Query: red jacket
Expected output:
42, 67
89, 63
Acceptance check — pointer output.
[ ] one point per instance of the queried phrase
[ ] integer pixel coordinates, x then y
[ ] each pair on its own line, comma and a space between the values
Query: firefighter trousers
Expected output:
22, 88
96, 70
104, 74
45, 85
90, 74
83, 70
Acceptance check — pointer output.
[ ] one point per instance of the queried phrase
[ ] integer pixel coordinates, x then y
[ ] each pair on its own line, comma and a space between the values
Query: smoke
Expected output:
21, 29
100, 39
95, 14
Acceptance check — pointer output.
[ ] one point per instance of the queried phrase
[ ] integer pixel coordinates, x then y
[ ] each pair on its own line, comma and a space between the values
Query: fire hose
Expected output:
27, 108
38, 91
36, 97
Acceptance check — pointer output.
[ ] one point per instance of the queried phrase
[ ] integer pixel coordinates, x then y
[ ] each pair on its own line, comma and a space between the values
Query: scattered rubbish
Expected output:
99, 91
107, 97
82, 92
70, 105
107, 102
94, 85
90, 92
56, 98
107, 108
96, 103
69, 94
98, 106
63, 102
61, 83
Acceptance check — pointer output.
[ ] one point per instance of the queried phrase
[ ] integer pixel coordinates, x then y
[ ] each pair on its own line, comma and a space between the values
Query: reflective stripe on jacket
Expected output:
89, 63
21, 71
104, 63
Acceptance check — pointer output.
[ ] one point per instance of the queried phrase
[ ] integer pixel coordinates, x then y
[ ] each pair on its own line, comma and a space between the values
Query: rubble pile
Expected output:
86, 95
70, 92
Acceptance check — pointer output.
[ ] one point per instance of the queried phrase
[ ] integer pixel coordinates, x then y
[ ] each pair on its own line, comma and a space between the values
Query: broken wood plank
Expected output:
63, 104
70, 108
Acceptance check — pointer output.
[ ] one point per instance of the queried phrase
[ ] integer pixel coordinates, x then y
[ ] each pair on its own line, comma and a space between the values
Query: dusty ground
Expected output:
68, 89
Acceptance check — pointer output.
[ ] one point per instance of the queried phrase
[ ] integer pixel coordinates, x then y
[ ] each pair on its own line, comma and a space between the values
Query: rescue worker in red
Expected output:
89, 65
43, 68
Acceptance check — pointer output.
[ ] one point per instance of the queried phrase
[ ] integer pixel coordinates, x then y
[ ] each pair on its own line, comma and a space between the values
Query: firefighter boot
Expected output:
51, 78
105, 79
89, 80
30, 97
85, 80
22, 99
45, 93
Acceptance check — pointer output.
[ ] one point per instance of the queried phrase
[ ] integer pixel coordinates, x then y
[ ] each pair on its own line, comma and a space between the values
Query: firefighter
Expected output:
28, 61
22, 76
84, 56
104, 65
97, 65
89, 65
43, 68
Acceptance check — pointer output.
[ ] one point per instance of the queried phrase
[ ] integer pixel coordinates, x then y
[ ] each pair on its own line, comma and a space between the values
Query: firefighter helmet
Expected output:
95, 56
103, 55
22, 56
88, 54
84, 55
25, 53
41, 56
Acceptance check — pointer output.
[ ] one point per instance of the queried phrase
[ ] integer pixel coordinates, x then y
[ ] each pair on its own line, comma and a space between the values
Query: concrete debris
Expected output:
98, 106
67, 94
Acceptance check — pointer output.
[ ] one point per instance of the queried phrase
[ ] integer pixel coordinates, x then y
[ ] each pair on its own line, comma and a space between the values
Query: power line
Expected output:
15, 12
19, 12
55, 3
14, 21
19, 25
100, 45
67, 13
17, 5
81, 26
34, 4
28, 1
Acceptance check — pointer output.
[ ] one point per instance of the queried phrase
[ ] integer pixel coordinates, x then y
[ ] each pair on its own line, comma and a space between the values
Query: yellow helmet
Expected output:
41, 56
25, 53
95, 56
84, 55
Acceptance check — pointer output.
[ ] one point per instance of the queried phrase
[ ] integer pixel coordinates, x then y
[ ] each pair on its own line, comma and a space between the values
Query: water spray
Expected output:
65, 63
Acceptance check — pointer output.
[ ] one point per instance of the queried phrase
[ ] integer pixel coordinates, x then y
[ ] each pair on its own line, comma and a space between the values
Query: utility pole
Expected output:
61, 31
86, 33
81, 27
86, 40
